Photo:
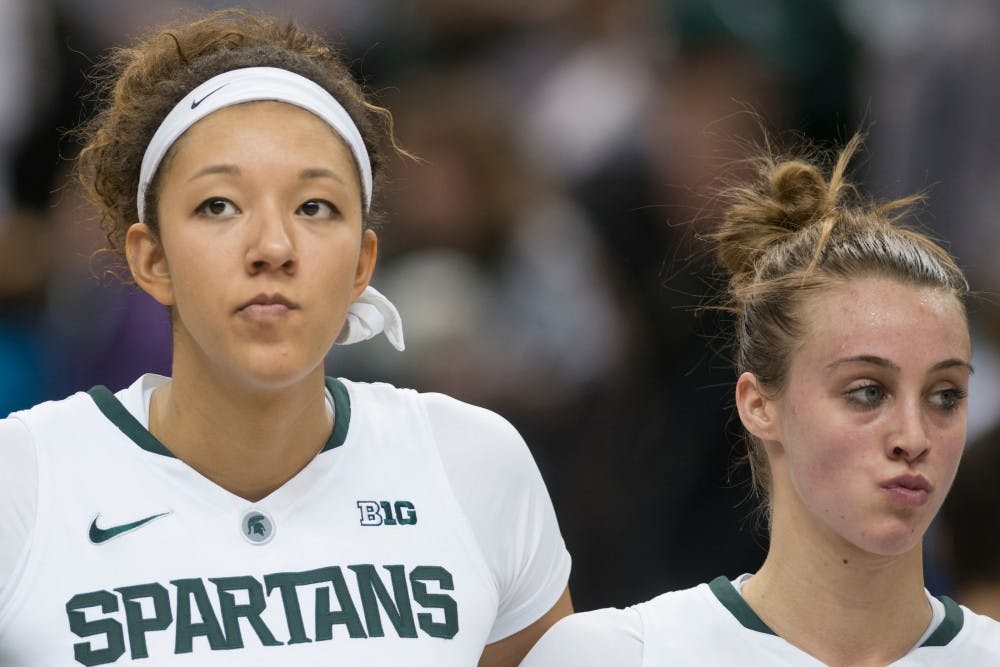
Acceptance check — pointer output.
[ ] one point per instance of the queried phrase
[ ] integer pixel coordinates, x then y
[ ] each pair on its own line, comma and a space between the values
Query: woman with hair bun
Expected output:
248, 510
852, 353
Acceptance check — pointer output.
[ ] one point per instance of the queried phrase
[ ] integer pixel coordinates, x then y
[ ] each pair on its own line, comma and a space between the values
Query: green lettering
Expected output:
387, 510
325, 617
374, 595
138, 626
447, 628
84, 652
286, 583
348, 614
187, 630
406, 513
231, 612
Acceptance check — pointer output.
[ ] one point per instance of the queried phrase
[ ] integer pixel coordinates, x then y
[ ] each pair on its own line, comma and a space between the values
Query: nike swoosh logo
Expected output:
99, 535
195, 103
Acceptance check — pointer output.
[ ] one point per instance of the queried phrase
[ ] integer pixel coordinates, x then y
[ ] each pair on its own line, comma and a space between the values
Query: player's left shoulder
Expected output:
441, 409
963, 638
982, 632
600, 638
465, 431
449, 413
608, 622
467, 437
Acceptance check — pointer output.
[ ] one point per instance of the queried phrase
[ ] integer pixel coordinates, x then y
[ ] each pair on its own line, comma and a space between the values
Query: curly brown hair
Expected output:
138, 85
799, 226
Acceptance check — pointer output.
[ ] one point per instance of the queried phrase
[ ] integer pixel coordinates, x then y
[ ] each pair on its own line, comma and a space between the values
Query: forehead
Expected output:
886, 318
273, 131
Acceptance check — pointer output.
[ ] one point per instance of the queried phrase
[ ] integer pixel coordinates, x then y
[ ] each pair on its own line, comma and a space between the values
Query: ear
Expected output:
757, 412
366, 262
148, 264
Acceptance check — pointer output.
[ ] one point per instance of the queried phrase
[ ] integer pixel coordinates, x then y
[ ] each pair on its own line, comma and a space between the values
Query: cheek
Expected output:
826, 457
199, 287
826, 464
336, 267
949, 451
191, 281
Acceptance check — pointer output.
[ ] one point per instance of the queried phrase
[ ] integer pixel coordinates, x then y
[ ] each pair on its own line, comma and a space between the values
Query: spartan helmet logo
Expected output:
257, 527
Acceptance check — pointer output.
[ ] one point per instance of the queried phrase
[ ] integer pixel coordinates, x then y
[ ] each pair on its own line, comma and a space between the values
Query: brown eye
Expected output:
317, 208
217, 207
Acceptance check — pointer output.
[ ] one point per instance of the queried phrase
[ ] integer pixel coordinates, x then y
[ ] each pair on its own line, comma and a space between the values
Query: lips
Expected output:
908, 490
267, 305
911, 482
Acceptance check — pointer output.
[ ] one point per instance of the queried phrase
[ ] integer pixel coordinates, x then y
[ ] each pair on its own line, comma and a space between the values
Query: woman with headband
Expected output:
853, 358
249, 510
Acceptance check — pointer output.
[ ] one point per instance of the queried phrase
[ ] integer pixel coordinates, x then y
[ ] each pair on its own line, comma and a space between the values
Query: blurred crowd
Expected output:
545, 252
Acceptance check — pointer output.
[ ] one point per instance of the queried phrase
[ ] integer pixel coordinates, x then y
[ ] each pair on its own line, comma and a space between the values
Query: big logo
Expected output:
385, 513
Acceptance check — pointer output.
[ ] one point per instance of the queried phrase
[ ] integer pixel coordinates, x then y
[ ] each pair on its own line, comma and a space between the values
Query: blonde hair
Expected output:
798, 226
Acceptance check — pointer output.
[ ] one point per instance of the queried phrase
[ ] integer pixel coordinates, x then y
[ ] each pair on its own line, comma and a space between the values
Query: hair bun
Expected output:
800, 194
785, 198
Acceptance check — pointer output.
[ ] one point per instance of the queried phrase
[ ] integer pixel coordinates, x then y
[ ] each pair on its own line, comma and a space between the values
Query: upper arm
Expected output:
18, 493
602, 638
498, 486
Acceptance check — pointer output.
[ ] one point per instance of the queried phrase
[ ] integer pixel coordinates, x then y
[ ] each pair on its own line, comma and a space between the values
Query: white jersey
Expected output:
712, 626
421, 532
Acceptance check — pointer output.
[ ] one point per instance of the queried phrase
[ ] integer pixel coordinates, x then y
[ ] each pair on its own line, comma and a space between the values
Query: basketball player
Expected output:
852, 349
247, 510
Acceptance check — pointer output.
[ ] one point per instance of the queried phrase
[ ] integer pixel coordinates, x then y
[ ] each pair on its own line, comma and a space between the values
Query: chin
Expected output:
894, 538
275, 374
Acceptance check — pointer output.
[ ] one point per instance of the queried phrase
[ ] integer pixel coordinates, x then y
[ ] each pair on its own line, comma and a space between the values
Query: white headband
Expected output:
252, 84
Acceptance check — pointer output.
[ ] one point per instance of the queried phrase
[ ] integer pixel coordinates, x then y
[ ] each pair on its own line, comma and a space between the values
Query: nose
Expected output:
910, 441
270, 243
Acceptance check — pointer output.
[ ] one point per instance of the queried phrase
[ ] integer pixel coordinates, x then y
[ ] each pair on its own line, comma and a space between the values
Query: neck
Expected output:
842, 605
249, 441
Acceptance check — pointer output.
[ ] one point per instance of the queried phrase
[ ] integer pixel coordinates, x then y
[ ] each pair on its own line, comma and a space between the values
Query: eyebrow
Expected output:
952, 363
320, 172
216, 169
885, 363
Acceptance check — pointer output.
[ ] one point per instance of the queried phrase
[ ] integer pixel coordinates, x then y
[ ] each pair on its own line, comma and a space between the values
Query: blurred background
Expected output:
545, 257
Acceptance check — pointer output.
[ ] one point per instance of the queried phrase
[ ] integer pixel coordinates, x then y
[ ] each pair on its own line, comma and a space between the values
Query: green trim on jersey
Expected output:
731, 599
950, 626
737, 606
119, 415
341, 413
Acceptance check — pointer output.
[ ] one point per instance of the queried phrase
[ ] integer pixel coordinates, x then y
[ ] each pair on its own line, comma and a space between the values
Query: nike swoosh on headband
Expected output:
195, 103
